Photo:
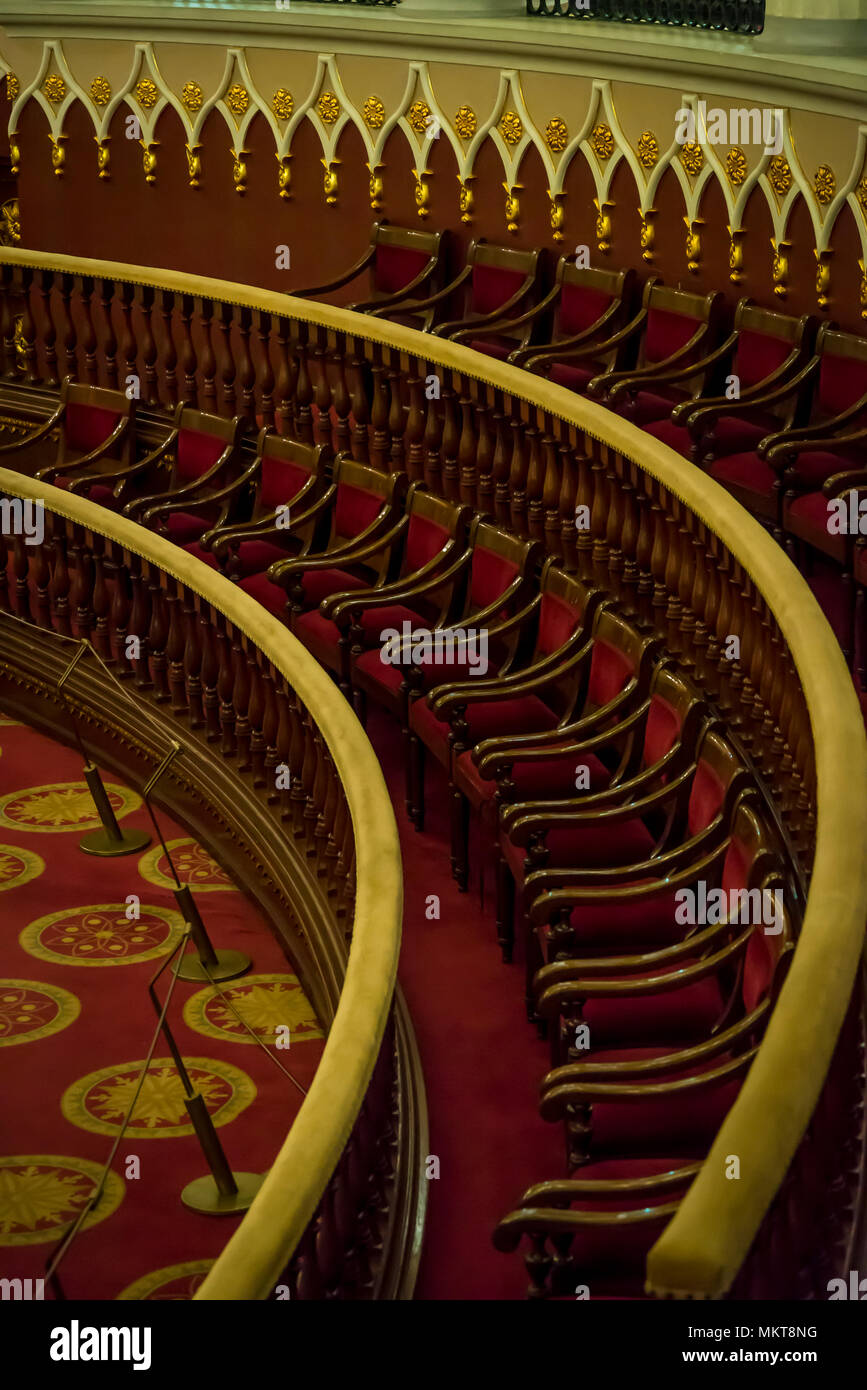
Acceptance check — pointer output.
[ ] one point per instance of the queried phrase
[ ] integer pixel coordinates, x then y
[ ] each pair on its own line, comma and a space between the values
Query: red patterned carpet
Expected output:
76, 1022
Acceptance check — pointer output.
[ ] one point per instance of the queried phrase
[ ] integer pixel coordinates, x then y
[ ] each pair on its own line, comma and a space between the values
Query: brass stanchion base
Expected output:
230, 964
203, 1195
99, 842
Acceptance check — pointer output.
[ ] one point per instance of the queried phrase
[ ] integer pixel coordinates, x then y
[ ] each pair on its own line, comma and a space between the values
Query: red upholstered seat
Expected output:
384, 673
374, 621
686, 1121
207, 556
672, 1017
666, 333
184, 527
808, 514
281, 480
842, 381
197, 452
574, 375
271, 596
746, 471
395, 266
492, 286
538, 781
580, 307
814, 466
731, 434
628, 842
485, 719
490, 576
494, 346
253, 556
627, 924
317, 585
647, 406
354, 509
86, 427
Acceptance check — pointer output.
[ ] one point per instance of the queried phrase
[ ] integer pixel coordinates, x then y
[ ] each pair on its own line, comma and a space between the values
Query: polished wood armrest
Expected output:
85, 460
616, 794
633, 378
524, 823
566, 1189
494, 756
553, 1221
390, 301
120, 476
39, 433
432, 299
698, 415
529, 356
446, 699
262, 528
540, 745
675, 374
466, 327
368, 542
221, 495
828, 444
561, 972
587, 1091
529, 317
187, 495
841, 483
341, 607
339, 280
562, 353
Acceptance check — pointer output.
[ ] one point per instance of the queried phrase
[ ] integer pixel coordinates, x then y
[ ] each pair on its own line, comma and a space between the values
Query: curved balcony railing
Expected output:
665, 539
215, 663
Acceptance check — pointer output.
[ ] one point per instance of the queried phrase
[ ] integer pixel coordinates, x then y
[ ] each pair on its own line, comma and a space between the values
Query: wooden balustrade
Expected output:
606, 500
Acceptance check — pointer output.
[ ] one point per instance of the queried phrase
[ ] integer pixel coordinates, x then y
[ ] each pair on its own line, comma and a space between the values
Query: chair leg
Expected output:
849, 611
860, 642
505, 908
359, 700
460, 837
534, 961
415, 781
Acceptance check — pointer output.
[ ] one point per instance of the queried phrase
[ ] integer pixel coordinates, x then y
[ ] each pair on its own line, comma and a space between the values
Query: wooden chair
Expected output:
583, 309
401, 262
494, 282
764, 350
198, 461
677, 349
95, 436
284, 477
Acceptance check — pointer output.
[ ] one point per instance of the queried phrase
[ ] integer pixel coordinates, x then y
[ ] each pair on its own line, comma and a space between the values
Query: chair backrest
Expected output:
498, 272
585, 295
719, 775
615, 660
672, 701
201, 440
673, 317
498, 558
91, 414
285, 466
362, 494
562, 609
432, 523
765, 339
842, 373
401, 253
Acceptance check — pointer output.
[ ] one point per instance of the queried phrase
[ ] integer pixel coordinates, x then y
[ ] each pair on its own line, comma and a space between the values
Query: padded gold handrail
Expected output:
256, 1254
705, 1244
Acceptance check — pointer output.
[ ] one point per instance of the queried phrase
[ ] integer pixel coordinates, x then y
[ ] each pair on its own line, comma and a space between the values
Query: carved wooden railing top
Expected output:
258, 1251
660, 534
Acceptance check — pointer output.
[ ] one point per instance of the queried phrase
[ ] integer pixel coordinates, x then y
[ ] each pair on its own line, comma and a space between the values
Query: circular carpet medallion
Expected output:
102, 935
195, 867
266, 1002
60, 806
18, 866
41, 1194
99, 1101
175, 1282
31, 1010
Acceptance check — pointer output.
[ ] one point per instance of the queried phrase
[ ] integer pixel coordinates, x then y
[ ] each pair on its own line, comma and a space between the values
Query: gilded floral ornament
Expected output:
692, 158
780, 268
373, 112
329, 183
194, 164
100, 91
14, 154
10, 226
192, 96
13, 86
282, 104
422, 193
604, 227
556, 134
558, 215
780, 175
58, 154
602, 141
146, 93
103, 156
239, 170
647, 235
328, 107
823, 277
466, 123
466, 199
693, 244
825, 184
647, 149
862, 289
54, 88
861, 193
149, 159
736, 166
375, 187
511, 128
237, 99
284, 177
418, 116
513, 206
736, 254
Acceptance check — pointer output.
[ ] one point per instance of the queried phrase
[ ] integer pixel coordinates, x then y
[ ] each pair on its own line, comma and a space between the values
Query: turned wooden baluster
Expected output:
644, 547
686, 581
359, 402
286, 372
241, 699
486, 442
227, 361
255, 717
303, 390
28, 328
283, 743
396, 417
658, 556
207, 359
226, 685
210, 670
433, 433
502, 461
189, 360
128, 348
698, 601
81, 592
599, 512
193, 660
169, 354
49, 331
5, 552
298, 752
614, 520
21, 570
308, 779
414, 462
246, 374
379, 413
322, 392
101, 634
59, 585
534, 507
552, 485
175, 645
88, 341
7, 322
576, 508
467, 450
109, 341
139, 622
320, 796
158, 636
266, 372
270, 725
450, 477
150, 394
120, 610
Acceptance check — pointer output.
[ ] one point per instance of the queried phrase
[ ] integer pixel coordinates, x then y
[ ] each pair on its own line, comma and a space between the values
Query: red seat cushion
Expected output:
730, 435
626, 924
271, 596
672, 1017
253, 556
374, 621
536, 781
319, 584
485, 719
574, 375
492, 286
197, 452
184, 527
814, 466
380, 672
320, 636
494, 346
580, 307
395, 266
746, 471
807, 516
282, 479
629, 842
206, 556
647, 406
685, 1121
101, 493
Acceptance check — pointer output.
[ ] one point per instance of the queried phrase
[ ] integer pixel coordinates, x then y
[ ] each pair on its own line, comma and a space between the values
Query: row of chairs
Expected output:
774, 409
600, 776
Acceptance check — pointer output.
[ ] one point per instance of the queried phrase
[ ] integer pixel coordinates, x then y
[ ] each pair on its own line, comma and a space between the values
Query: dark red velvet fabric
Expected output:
492, 286
373, 621
395, 266
183, 527
557, 621
660, 731
673, 1017
574, 375
842, 381
197, 452
425, 539
258, 555
666, 332
271, 596
758, 354
88, 426
746, 471
355, 509
491, 575
281, 481
494, 346
705, 798
639, 924
320, 584
206, 556
591, 846
580, 307
731, 434
610, 670
687, 1120
646, 407
549, 778
807, 516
